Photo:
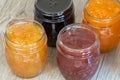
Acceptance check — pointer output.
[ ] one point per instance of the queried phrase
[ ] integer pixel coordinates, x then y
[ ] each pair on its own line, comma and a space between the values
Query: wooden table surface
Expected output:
109, 68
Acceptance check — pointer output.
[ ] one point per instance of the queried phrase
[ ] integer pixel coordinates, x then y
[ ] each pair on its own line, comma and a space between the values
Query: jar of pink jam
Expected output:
78, 53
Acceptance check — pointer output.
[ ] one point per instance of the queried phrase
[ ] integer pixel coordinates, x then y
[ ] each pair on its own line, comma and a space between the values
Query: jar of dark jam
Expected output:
78, 53
54, 15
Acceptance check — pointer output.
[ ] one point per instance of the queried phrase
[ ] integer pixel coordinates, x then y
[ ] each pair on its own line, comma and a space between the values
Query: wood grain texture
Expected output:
109, 68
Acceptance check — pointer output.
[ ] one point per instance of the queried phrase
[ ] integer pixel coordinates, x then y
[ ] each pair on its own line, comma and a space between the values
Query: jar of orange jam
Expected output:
104, 17
26, 47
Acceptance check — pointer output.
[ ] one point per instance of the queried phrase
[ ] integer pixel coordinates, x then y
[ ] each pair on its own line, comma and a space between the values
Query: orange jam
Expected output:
104, 17
26, 47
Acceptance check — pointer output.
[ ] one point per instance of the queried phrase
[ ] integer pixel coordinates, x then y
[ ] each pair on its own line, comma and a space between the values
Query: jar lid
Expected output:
53, 7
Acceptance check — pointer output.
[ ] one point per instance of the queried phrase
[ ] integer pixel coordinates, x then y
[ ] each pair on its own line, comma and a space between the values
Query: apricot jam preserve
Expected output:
26, 47
54, 15
104, 17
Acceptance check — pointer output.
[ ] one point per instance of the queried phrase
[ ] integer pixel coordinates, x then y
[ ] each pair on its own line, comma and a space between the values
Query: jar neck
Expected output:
30, 48
20, 46
84, 52
100, 19
107, 20
53, 18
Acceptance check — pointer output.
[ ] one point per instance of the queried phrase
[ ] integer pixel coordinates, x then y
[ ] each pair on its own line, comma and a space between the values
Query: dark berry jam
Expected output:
54, 15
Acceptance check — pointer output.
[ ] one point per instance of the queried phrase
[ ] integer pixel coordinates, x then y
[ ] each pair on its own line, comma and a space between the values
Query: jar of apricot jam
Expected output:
78, 53
104, 16
26, 47
54, 15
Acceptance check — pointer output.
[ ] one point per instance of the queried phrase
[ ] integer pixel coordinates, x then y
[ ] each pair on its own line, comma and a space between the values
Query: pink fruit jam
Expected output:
78, 52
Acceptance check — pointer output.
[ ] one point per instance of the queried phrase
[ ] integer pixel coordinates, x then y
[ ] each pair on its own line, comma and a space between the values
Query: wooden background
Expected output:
109, 68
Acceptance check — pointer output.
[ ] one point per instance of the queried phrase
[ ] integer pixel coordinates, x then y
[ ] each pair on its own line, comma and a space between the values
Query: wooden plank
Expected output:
110, 69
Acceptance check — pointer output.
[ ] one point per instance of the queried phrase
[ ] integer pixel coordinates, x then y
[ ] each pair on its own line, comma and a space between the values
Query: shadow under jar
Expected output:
78, 52
104, 17
26, 47
54, 15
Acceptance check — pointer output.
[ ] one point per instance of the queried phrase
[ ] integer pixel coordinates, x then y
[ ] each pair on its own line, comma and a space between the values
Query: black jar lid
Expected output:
53, 9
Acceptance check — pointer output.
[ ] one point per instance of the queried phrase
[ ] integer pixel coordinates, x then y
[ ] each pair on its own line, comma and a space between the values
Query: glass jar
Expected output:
104, 16
78, 53
54, 15
26, 47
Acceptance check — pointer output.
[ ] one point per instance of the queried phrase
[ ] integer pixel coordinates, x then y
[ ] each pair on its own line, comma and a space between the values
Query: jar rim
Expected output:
78, 25
95, 18
16, 21
55, 13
